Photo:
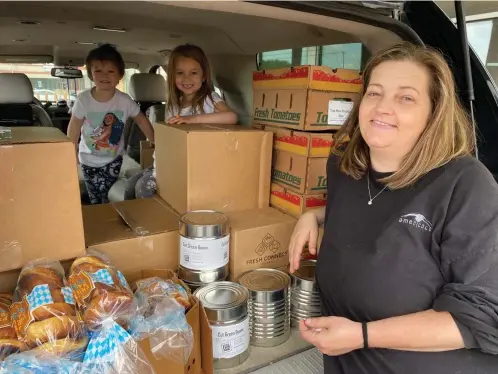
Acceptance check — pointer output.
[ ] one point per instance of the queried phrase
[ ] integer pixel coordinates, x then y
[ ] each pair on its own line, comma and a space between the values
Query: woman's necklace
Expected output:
369, 193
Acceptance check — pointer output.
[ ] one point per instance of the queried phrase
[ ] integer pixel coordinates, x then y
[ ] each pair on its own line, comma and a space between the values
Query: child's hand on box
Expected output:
182, 120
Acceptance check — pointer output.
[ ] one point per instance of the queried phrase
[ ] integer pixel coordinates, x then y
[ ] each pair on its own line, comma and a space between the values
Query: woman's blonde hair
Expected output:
448, 133
174, 104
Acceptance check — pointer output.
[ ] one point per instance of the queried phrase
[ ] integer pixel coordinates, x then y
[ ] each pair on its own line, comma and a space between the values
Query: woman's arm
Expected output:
427, 331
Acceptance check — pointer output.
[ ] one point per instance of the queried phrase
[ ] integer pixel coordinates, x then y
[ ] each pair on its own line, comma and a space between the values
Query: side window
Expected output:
347, 56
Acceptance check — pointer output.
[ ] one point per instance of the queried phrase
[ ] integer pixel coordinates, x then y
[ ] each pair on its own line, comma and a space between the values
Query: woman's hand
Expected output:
306, 231
333, 336
182, 120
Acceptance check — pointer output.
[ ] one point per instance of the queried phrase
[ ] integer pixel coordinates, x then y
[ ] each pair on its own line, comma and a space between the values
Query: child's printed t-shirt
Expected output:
208, 108
103, 125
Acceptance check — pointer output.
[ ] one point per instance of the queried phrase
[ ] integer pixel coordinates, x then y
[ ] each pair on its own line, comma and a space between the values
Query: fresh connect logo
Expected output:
286, 178
275, 115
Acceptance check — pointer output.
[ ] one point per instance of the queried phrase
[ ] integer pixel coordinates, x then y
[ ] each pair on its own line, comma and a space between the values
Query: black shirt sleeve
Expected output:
468, 258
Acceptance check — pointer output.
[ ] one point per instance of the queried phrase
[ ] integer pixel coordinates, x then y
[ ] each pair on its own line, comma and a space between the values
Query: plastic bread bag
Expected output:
44, 313
161, 306
101, 291
9, 343
111, 350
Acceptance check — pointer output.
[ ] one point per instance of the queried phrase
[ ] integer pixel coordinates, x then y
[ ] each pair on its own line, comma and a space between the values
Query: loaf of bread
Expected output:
156, 289
9, 343
101, 291
44, 312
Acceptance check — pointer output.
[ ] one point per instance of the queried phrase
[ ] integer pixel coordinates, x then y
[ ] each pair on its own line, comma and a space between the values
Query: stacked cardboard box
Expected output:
288, 101
40, 201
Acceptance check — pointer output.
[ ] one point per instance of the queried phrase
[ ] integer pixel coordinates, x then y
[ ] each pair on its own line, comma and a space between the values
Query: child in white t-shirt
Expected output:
99, 116
191, 100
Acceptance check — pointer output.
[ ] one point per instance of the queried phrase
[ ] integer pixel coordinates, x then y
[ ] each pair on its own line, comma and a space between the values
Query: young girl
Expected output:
98, 115
191, 100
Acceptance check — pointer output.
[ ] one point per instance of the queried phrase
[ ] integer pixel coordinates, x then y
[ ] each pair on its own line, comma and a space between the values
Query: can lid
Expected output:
306, 270
269, 280
222, 295
203, 224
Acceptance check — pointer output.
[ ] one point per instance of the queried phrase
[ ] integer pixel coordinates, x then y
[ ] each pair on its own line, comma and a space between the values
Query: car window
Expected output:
482, 25
347, 56
48, 88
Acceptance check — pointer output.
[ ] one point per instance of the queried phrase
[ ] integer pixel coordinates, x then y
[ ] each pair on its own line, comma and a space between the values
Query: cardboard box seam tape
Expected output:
130, 221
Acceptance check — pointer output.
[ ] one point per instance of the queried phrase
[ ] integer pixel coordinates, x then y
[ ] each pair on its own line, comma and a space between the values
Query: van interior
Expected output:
239, 37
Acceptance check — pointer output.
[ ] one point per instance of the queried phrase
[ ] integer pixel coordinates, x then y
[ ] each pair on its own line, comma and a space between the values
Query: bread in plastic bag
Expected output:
101, 291
111, 350
9, 343
161, 306
44, 313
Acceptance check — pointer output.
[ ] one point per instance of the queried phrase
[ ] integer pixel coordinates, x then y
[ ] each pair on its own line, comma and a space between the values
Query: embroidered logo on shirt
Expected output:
417, 220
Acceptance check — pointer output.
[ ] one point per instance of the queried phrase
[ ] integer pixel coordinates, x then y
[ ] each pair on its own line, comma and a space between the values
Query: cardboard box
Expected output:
294, 203
40, 204
219, 167
308, 77
303, 109
201, 358
302, 143
299, 173
259, 238
146, 154
134, 234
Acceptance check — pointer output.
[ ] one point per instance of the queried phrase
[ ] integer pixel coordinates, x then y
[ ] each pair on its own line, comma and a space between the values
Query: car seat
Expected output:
149, 91
16, 102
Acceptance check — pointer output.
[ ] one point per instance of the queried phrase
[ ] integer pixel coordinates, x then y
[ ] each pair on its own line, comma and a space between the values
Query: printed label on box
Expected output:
339, 111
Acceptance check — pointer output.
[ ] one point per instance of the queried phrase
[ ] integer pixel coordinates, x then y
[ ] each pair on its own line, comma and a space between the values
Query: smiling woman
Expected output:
407, 264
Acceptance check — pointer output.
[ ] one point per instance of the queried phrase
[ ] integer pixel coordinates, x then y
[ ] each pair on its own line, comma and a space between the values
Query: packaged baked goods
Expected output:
44, 313
9, 343
101, 291
161, 307
111, 350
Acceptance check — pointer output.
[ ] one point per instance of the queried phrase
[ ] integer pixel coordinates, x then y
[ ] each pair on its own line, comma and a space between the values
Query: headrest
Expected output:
15, 88
148, 87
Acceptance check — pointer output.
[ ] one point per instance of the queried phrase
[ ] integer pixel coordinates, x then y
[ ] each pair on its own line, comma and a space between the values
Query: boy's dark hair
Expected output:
105, 52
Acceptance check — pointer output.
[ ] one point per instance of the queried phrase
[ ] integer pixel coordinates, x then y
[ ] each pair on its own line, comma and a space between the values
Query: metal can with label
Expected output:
269, 308
225, 304
204, 247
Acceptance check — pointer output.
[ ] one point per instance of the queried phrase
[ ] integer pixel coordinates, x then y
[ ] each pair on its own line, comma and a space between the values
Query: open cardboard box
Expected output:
201, 358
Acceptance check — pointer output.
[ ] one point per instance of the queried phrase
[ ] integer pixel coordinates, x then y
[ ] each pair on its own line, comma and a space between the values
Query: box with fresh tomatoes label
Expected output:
293, 203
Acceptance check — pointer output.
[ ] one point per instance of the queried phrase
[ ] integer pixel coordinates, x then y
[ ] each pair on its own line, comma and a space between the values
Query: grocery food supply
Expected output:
225, 304
9, 343
44, 313
269, 311
304, 295
204, 247
161, 308
101, 291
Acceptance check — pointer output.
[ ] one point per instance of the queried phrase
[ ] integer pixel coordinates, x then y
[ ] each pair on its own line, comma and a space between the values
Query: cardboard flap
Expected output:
257, 218
126, 219
35, 134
